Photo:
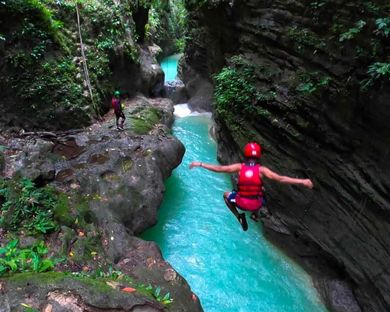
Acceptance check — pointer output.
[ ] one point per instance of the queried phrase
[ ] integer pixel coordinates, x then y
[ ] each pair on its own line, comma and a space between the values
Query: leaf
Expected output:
46, 265
167, 296
149, 287
129, 289
12, 244
167, 301
3, 269
12, 265
40, 248
112, 284
157, 291
35, 262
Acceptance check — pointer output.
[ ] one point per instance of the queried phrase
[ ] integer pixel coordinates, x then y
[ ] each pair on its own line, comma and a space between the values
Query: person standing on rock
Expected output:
249, 196
118, 109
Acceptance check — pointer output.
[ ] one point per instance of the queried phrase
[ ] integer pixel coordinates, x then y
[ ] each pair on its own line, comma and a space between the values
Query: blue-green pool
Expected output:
230, 270
169, 66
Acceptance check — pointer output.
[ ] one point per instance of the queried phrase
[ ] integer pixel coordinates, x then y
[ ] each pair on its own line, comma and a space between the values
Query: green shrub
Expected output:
375, 71
236, 93
44, 66
180, 45
305, 38
312, 82
235, 87
167, 24
352, 32
26, 207
42, 15
33, 259
382, 26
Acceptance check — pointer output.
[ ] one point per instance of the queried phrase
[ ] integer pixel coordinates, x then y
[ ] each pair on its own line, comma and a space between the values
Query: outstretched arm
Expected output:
216, 168
284, 179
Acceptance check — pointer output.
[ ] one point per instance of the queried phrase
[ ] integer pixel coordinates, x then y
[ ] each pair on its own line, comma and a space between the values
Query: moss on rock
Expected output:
145, 120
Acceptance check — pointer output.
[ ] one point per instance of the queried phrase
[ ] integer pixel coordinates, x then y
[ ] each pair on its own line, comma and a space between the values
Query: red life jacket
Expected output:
115, 103
250, 188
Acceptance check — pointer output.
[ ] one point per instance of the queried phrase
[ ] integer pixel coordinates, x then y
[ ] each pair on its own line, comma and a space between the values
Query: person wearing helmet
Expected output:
249, 196
118, 110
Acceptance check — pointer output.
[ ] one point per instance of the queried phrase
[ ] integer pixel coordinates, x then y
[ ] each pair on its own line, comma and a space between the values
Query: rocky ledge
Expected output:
113, 183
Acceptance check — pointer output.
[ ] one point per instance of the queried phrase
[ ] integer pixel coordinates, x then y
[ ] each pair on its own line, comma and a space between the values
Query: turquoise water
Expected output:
169, 66
230, 270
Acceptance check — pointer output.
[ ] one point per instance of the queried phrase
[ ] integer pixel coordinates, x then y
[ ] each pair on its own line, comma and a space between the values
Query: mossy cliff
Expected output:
309, 80
46, 82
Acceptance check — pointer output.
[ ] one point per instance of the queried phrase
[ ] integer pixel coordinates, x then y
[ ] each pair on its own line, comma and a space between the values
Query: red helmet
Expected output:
252, 150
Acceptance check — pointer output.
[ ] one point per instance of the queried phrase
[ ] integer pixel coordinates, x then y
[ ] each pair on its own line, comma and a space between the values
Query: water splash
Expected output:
183, 110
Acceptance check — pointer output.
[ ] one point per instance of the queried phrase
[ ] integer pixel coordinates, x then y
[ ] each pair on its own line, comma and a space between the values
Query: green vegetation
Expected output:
44, 17
167, 24
234, 89
33, 259
117, 276
382, 26
352, 32
26, 207
28, 308
357, 31
144, 120
305, 38
375, 71
312, 82
44, 71
236, 93
196, 4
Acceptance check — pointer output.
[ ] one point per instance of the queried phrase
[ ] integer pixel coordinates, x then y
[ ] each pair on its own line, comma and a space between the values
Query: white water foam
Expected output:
182, 110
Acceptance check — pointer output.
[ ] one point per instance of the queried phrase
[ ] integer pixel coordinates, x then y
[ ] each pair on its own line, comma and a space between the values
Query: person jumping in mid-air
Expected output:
249, 196
118, 109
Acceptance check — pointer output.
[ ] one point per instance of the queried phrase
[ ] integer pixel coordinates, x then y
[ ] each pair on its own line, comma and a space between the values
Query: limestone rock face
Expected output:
119, 177
320, 123
146, 77
176, 91
122, 173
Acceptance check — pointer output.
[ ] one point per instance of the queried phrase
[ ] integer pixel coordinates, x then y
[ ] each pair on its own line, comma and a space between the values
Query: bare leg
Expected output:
240, 216
231, 207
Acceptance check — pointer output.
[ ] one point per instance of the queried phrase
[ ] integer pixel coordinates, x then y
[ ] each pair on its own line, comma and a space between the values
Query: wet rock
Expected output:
339, 294
200, 91
176, 91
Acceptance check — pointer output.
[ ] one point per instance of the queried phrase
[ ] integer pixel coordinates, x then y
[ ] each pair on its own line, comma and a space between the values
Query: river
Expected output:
230, 270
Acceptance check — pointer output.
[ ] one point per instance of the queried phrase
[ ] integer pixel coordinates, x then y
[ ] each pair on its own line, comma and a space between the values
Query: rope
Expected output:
85, 67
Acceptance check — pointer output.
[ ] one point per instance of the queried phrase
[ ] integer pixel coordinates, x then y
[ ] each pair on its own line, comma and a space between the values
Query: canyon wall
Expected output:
321, 109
